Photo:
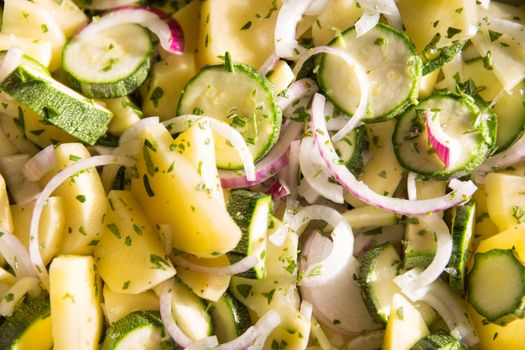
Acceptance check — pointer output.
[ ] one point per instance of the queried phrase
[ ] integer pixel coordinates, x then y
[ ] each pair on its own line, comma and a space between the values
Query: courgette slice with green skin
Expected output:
438, 341
230, 317
462, 231
351, 149
251, 212
393, 66
509, 108
376, 275
461, 119
109, 64
240, 96
138, 330
435, 58
29, 323
496, 286
56, 103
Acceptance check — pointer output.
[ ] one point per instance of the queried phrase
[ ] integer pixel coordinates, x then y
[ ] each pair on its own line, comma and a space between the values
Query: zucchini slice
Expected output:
138, 330
376, 278
230, 317
394, 70
496, 286
352, 148
509, 107
461, 119
240, 96
55, 103
251, 211
438, 341
110, 64
30, 323
462, 229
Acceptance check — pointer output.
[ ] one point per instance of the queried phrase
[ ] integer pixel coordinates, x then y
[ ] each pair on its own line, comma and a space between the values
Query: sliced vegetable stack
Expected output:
261, 174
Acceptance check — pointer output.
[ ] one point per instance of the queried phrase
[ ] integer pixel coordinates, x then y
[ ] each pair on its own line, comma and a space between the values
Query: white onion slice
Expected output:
364, 85
255, 335
163, 26
298, 89
485, 4
183, 122
240, 266
15, 254
367, 341
446, 147
306, 310
270, 165
388, 8
204, 344
315, 172
41, 163
366, 22
166, 314
307, 192
21, 287
133, 132
293, 167
411, 186
461, 190
101, 150
269, 64
414, 281
16, 136
316, 6
290, 13
52, 185
22, 190
109, 172
109, 4
11, 60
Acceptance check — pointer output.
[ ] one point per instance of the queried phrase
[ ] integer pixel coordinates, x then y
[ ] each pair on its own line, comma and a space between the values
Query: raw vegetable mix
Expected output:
262, 174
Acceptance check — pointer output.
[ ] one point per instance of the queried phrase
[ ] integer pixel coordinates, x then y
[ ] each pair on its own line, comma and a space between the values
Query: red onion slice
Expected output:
240, 266
183, 122
364, 85
11, 60
166, 314
269, 64
15, 254
163, 26
278, 190
204, 344
445, 146
26, 285
41, 163
461, 190
290, 13
52, 185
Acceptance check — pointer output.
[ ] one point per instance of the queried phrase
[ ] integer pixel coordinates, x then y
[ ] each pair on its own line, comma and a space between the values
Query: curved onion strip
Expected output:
240, 266
315, 172
166, 296
183, 122
269, 64
364, 85
204, 344
414, 281
109, 172
109, 4
16, 293
101, 150
293, 167
446, 147
132, 133
15, 254
366, 22
259, 331
272, 163
316, 6
164, 27
10, 61
278, 190
386, 7
411, 186
307, 192
306, 310
22, 190
290, 13
298, 89
52, 185
41, 163
461, 190
441, 298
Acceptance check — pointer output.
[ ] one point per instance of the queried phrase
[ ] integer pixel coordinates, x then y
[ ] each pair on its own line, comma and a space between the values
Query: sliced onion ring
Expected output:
166, 314
364, 85
366, 22
298, 89
166, 28
461, 190
15, 254
52, 185
41, 163
445, 146
133, 132
240, 266
269, 64
11, 60
290, 13
22, 287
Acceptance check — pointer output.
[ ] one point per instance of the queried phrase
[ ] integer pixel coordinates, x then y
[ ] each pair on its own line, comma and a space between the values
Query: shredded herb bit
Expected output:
451, 32
247, 25
518, 213
156, 95
159, 262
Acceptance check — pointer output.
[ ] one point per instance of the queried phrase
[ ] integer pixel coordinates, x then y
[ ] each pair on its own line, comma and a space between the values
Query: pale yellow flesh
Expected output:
6, 221
124, 116
281, 77
336, 17
130, 256
40, 51
188, 18
118, 305
505, 199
